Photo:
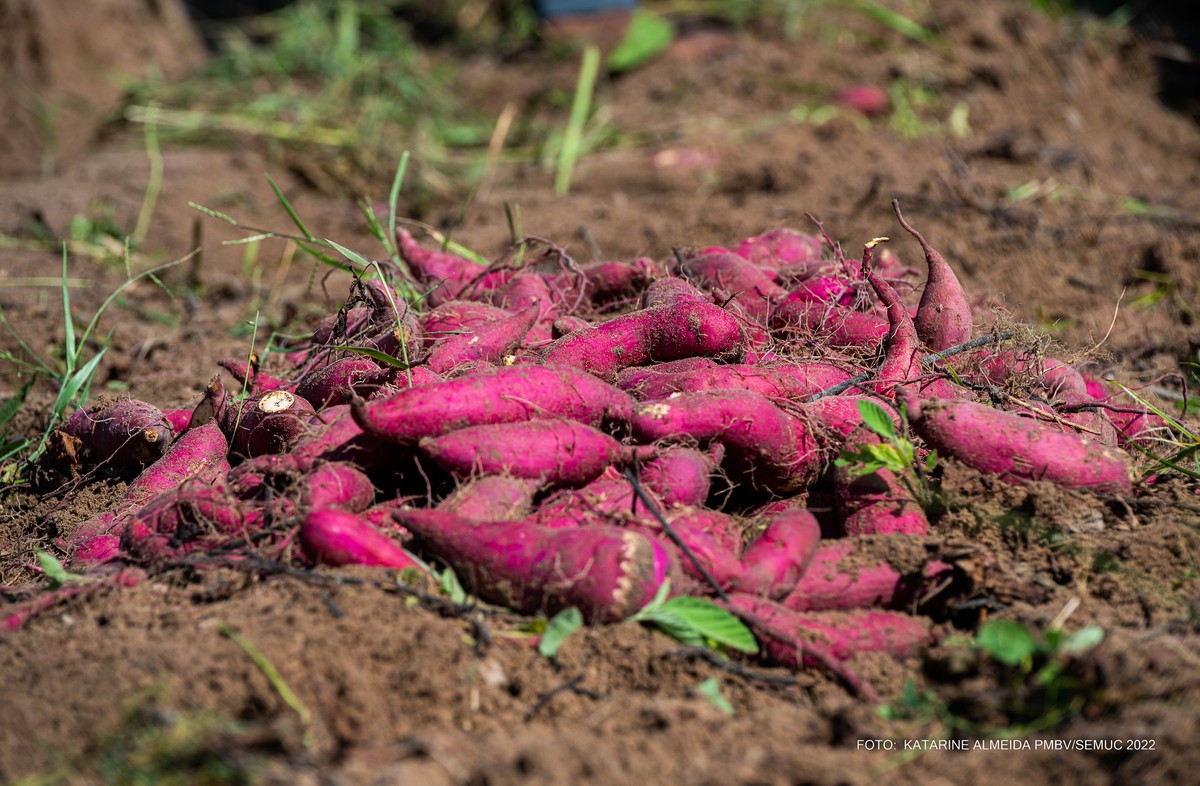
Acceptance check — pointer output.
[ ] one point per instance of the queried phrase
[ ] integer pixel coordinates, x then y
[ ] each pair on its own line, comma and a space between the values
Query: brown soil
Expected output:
400, 693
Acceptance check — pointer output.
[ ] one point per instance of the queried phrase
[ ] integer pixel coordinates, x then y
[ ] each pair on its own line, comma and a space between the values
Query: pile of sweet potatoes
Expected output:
566, 435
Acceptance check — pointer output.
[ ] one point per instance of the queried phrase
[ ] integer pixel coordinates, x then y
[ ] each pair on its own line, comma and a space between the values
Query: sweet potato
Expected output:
764, 445
779, 557
670, 291
336, 484
608, 573
835, 325
734, 277
559, 452
123, 432
840, 414
876, 503
780, 247
613, 281
506, 395
649, 335
270, 422
492, 498
1015, 448
488, 341
333, 536
793, 638
192, 518
795, 381
944, 313
200, 454
342, 379
456, 316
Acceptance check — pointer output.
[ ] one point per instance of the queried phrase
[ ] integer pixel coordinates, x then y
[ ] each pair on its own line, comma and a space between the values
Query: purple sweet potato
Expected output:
506, 395
734, 277
850, 573
559, 452
839, 414
200, 454
901, 366
192, 518
650, 335
944, 314
487, 341
1015, 448
333, 536
764, 445
492, 498
615, 281
779, 557
794, 381
123, 432
680, 475
608, 573
342, 379
875, 503
806, 639
669, 291
336, 484
780, 247
449, 273
456, 316
270, 422
833, 324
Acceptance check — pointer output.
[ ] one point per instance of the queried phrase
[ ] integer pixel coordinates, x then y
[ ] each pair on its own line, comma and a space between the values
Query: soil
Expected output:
1072, 205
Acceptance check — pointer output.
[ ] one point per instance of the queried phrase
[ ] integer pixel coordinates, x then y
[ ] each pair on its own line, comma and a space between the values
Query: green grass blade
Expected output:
580, 106
353, 256
291, 211
393, 200
68, 322
10, 408
897, 21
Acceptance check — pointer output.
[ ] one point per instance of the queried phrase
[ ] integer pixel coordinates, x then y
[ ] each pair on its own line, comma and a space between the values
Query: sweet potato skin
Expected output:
667, 332
770, 448
606, 572
1017, 449
876, 503
506, 395
333, 536
123, 432
559, 452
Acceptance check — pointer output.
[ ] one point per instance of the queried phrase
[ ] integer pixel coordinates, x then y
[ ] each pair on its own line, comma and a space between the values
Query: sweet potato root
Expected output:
606, 572
506, 395
123, 432
333, 536
1015, 448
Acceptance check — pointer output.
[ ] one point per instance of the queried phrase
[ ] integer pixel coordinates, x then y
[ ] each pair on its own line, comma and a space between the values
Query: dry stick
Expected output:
932, 357
631, 475
715, 659
571, 685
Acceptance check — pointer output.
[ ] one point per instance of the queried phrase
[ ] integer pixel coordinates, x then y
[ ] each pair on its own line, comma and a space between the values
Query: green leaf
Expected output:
351, 255
54, 570
1082, 640
453, 588
711, 690
1007, 641
877, 419
68, 322
897, 21
561, 625
647, 36
374, 354
712, 622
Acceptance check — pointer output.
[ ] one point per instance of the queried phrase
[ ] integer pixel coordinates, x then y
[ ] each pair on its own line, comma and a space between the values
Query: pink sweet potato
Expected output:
608, 573
506, 395
559, 452
333, 536
794, 638
647, 336
875, 503
492, 498
488, 341
734, 277
669, 291
270, 422
839, 414
779, 557
456, 316
764, 445
780, 247
617, 281
123, 432
836, 325
944, 313
795, 381
336, 484
851, 573
200, 454
342, 379
680, 475
1015, 448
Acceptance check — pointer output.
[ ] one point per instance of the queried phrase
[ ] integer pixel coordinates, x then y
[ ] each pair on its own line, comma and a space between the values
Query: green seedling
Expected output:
277, 682
559, 627
696, 622
710, 689
897, 454
572, 142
